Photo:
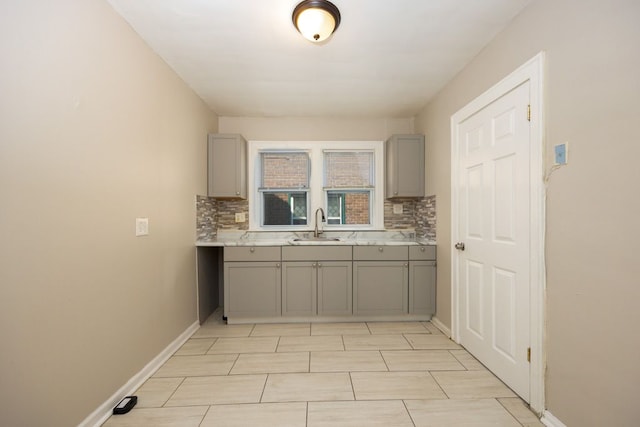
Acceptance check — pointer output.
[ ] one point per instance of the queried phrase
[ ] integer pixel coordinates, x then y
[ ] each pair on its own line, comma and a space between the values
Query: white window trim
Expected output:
316, 193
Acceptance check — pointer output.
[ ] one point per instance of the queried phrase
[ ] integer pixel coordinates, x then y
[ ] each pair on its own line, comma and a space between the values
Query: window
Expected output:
289, 181
284, 187
349, 183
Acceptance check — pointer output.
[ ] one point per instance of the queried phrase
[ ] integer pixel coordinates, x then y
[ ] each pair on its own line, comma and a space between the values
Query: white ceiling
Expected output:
387, 58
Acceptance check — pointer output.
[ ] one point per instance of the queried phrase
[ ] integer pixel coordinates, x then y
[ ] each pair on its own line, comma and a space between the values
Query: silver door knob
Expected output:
459, 246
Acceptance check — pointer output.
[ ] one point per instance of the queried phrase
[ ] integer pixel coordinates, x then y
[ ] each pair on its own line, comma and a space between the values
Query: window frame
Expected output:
316, 192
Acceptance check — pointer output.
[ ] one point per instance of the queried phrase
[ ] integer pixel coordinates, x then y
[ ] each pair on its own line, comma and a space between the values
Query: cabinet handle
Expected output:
422, 248
395, 193
252, 250
277, 265
237, 193
380, 249
406, 264
313, 265
319, 265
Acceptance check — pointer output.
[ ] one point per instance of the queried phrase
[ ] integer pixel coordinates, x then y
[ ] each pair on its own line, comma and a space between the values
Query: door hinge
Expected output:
529, 112
529, 354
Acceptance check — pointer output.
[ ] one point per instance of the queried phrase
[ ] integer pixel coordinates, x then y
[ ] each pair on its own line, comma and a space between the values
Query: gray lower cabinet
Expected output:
316, 288
422, 280
338, 281
335, 288
380, 280
299, 288
317, 281
252, 282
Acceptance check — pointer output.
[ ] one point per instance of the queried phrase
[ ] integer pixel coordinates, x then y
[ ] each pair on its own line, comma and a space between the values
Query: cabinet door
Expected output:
335, 288
380, 287
422, 287
299, 289
252, 289
405, 166
227, 166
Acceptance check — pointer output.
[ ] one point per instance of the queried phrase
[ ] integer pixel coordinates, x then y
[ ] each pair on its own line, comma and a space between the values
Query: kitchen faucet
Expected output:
316, 233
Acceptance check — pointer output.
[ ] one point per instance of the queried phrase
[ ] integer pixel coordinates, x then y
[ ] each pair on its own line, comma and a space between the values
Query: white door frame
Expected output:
532, 71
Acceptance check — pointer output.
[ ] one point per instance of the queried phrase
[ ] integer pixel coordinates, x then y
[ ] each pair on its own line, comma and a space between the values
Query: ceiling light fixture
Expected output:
316, 20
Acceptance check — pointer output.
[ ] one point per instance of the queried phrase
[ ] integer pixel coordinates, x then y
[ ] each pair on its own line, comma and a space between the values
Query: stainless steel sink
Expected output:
316, 239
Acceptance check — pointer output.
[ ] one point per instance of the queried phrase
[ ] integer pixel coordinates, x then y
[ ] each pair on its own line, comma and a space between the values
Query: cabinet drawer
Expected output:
252, 253
382, 253
422, 252
316, 253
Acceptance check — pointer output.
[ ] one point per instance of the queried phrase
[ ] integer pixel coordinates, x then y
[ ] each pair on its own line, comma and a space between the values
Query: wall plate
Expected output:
142, 226
561, 154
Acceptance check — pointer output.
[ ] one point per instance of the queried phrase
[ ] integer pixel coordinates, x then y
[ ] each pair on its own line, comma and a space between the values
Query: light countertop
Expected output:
351, 238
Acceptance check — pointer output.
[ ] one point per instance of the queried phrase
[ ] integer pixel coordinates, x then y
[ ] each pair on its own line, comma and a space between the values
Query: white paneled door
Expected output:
494, 237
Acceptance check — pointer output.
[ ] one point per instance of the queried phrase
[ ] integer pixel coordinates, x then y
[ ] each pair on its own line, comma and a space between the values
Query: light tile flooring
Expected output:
390, 374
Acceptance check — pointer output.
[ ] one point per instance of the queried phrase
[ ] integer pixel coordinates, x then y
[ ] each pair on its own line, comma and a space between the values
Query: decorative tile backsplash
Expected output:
214, 215
227, 210
206, 217
402, 221
425, 218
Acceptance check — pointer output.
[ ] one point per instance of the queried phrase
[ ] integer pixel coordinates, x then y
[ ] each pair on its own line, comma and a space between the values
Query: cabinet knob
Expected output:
422, 248
406, 264
380, 249
237, 193
252, 250
277, 265
395, 193
319, 265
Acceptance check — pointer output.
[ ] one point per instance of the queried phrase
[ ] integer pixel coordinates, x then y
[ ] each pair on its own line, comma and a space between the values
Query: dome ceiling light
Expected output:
316, 20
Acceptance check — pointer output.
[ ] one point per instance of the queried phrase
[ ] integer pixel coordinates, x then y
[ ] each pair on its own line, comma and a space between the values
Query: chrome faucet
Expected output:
316, 233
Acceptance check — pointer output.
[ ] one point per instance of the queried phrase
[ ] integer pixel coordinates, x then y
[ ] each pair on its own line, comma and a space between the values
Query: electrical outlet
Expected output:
240, 217
397, 208
561, 154
142, 226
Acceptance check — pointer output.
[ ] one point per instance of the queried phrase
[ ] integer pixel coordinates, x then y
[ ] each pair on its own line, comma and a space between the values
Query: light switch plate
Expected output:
142, 226
240, 217
397, 208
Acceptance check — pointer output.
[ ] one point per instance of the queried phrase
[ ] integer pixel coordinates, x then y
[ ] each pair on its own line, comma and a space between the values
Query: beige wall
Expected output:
593, 278
315, 129
95, 130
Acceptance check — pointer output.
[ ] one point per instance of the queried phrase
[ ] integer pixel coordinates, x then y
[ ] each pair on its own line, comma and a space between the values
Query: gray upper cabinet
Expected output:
227, 166
405, 166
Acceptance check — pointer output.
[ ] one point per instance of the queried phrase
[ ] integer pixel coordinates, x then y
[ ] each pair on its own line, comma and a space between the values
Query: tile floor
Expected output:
390, 374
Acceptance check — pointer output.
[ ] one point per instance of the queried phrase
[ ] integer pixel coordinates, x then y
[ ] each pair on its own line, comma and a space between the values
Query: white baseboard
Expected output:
100, 415
438, 324
550, 421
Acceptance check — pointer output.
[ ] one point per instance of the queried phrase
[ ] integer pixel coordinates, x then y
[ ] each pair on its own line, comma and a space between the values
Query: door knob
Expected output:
459, 246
